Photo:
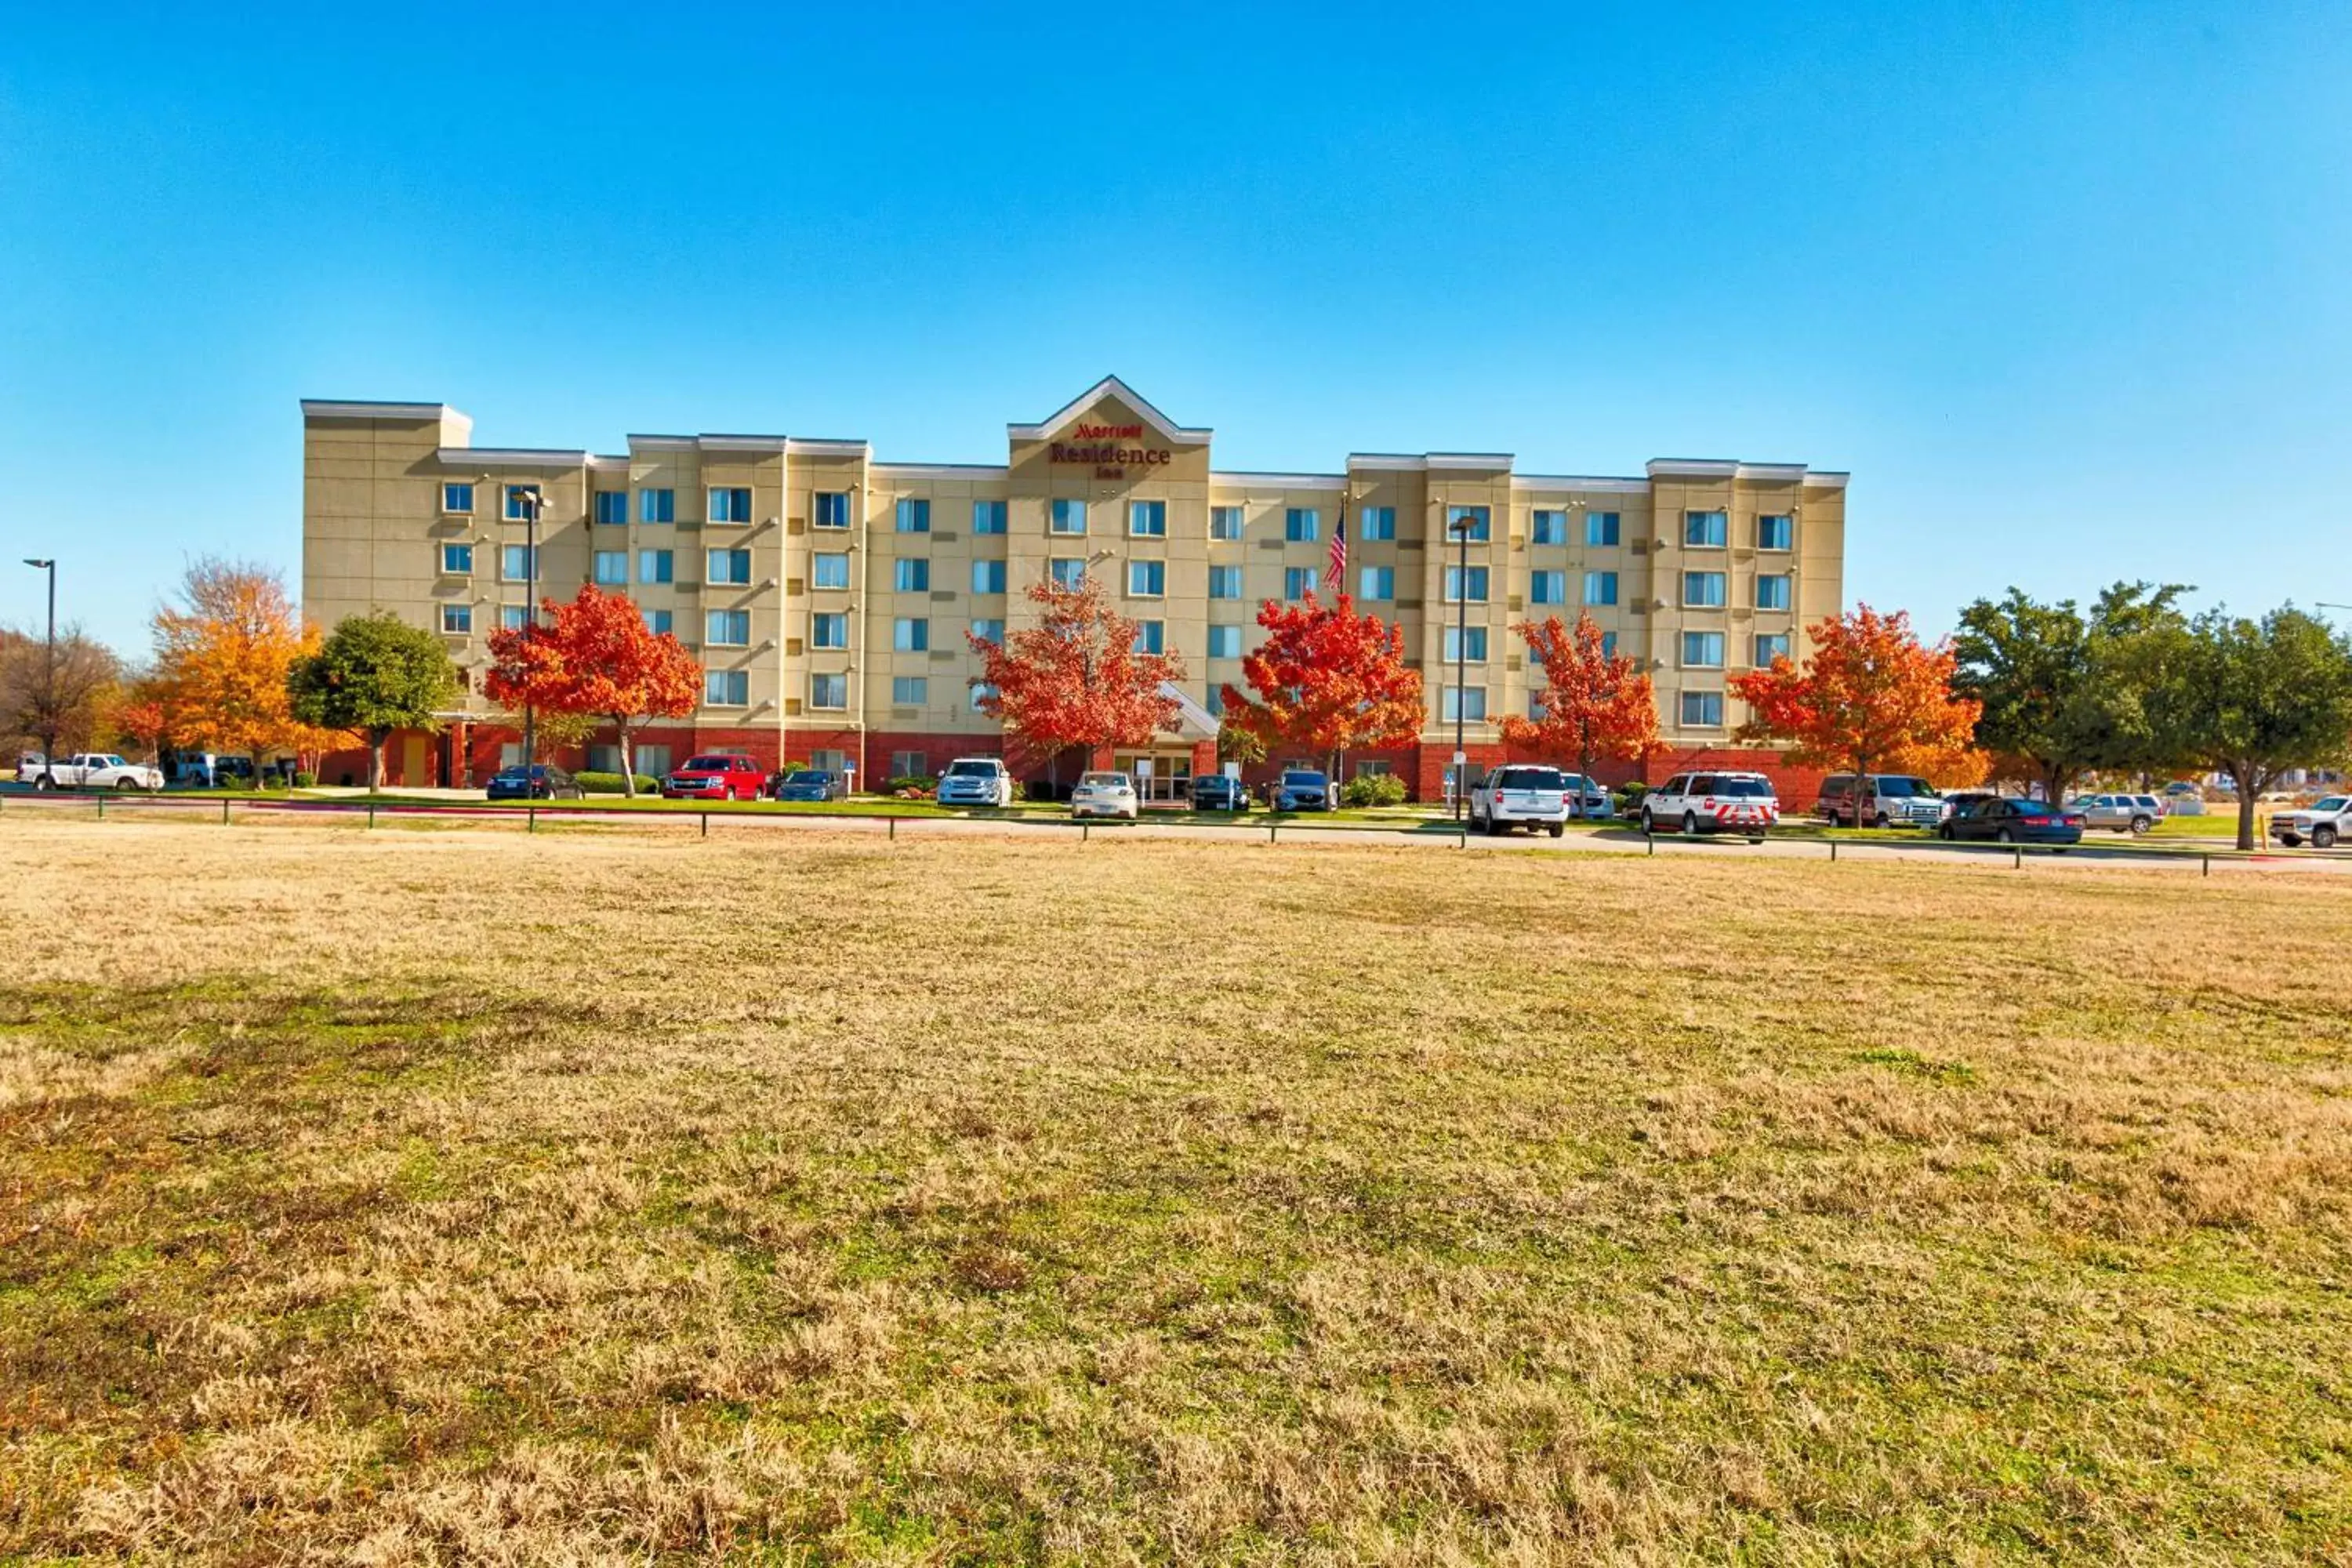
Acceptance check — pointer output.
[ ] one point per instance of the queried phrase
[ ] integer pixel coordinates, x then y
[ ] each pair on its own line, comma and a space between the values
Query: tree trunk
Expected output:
376, 740
1584, 770
628, 762
2246, 792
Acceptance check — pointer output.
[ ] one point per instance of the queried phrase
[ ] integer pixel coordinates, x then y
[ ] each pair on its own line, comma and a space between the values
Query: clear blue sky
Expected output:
2067, 288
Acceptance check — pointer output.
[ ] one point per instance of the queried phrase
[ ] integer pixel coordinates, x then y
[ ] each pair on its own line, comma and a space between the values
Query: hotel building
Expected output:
828, 594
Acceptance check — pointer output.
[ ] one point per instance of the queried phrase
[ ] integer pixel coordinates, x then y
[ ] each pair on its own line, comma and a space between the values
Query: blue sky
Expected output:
2065, 287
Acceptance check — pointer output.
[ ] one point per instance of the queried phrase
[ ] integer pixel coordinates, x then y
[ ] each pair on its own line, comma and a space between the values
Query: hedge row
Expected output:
610, 783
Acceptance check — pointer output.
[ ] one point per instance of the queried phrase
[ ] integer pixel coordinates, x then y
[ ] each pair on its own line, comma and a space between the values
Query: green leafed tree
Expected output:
373, 675
2250, 698
2064, 691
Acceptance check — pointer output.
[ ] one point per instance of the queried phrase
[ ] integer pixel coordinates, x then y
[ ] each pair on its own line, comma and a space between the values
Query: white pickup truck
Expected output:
2320, 824
98, 770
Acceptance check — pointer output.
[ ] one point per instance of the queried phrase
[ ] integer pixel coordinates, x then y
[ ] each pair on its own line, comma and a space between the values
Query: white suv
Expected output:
1519, 793
1713, 803
976, 781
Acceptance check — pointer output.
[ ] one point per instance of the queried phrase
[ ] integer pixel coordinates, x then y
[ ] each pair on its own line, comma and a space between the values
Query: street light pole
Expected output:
50, 689
532, 497
1461, 662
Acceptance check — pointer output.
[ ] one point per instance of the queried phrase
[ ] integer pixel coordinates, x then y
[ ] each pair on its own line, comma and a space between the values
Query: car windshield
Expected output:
1746, 788
1102, 781
1905, 789
1302, 781
810, 776
708, 764
2333, 802
971, 770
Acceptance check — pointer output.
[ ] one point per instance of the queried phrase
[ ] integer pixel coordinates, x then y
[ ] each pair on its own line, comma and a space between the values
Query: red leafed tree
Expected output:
1327, 680
594, 657
1077, 678
1869, 693
145, 722
1595, 703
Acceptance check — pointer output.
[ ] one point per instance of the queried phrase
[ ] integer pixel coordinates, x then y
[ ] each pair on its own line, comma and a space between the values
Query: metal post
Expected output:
101, 808
371, 814
224, 814
1833, 849
1086, 831
894, 829
2017, 856
530, 819
529, 621
2208, 865
1269, 831
50, 693
705, 825
1461, 667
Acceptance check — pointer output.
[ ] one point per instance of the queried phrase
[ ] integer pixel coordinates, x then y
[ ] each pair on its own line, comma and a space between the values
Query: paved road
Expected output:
1618, 841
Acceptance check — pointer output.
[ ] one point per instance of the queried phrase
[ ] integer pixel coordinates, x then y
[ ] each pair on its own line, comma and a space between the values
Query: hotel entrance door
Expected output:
1168, 782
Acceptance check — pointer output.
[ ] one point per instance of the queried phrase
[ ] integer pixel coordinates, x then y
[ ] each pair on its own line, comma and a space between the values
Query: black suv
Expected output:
1215, 791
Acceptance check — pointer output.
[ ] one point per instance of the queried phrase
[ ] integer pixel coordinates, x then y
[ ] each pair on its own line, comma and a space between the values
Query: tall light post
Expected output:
1460, 528
49, 689
532, 497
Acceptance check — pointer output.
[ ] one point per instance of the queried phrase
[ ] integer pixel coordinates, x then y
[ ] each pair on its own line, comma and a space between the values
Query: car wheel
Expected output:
1648, 825
2290, 840
126, 784
44, 782
1945, 833
1559, 828
2005, 836
2322, 838
1880, 821
2140, 824
1690, 824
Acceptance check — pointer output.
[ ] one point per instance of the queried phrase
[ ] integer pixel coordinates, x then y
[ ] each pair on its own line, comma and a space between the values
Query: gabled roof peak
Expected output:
1109, 387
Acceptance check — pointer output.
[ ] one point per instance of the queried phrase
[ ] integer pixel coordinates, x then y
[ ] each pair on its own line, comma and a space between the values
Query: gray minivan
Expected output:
1891, 800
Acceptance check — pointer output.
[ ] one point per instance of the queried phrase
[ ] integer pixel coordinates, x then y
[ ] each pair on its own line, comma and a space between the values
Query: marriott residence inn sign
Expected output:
1098, 445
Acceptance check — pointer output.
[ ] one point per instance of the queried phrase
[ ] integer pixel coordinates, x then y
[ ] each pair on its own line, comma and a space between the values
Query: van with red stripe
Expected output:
1693, 804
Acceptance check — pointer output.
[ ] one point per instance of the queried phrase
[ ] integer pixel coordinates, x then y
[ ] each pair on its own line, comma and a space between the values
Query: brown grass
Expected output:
446, 1197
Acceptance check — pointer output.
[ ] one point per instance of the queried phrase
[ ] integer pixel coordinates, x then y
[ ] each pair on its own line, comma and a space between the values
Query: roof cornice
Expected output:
1109, 387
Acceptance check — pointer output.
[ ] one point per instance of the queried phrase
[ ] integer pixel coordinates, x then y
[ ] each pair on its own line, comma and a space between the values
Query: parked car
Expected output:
1301, 789
2320, 825
1215, 791
98, 770
207, 770
1594, 795
2004, 820
1105, 795
1887, 800
1960, 800
30, 764
810, 783
1713, 803
1521, 793
716, 775
976, 781
544, 781
2132, 813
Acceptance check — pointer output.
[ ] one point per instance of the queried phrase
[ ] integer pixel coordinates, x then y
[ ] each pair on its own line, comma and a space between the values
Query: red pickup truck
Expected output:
714, 778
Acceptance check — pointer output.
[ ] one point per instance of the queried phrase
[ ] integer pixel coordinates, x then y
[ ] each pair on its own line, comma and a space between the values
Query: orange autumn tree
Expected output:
1327, 680
595, 658
223, 651
1869, 694
1077, 678
1595, 703
142, 719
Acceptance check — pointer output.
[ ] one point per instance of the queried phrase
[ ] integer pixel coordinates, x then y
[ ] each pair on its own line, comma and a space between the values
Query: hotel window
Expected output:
1297, 581
1147, 518
729, 506
1214, 702
1376, 522
1773, 590
1224, 642
513, 617
520, 501
1600, 530
910, 634
988, 576
730, 566
829, 569
656, 566
1474, 581
910, 691
911, 574
1703, 590
652, 760
910, 764
1706, 530
1463, 702
1609, 644
833, 509
988, 628
1478, 520
726, 687
612, 568
1774, 531
1465, 644
1546, 587
1225, 582
1151, 637
914, 516
829, 628
457, 618
982, 692
457, 560
1600, 587
727, 628
656, 506
458, 498
988, 517
613, 508
828, 691
1067, 570
1376, 583
1702, 709
1703, 650
658, 622
1770, 646
1300, 524
1547, 528
1224, 522
515, 564
1147, 579
1066, 517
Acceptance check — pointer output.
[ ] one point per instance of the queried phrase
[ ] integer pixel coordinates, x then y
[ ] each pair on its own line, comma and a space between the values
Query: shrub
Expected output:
610, 783
1372, 789
1629, 794
305, 781
909, 786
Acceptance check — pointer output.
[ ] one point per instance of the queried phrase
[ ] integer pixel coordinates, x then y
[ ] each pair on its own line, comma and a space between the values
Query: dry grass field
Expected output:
425, 1196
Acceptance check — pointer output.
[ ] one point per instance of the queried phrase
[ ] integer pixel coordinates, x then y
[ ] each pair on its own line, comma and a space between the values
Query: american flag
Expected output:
1338, 575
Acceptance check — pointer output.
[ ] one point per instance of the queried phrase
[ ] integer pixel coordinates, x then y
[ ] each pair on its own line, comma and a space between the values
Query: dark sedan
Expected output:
541, 783
2004, 821
1215, 791
810, 783
1301, 789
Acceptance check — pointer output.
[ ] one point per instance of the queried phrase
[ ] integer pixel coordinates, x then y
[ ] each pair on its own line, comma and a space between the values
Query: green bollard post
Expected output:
530, 819
705, 825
